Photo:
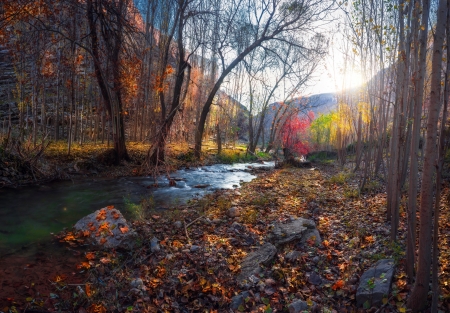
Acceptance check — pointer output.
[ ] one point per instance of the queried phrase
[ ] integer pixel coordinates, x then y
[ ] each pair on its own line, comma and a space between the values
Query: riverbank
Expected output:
41, 165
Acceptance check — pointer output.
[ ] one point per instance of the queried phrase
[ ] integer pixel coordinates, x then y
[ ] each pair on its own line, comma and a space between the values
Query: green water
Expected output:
30, 215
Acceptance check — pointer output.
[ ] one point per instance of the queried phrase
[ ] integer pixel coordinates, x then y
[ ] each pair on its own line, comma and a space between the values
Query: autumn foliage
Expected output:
294, 134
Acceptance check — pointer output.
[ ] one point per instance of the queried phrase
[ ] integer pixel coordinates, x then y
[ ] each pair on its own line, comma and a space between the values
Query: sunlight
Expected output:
353, 79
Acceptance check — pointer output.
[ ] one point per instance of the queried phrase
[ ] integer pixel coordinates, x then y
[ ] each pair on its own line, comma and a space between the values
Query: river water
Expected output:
29, 215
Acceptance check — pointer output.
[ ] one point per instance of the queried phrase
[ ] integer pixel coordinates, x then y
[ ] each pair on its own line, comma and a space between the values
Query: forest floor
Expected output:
196, 267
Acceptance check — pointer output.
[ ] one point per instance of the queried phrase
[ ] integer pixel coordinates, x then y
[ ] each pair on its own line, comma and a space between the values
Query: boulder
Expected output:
107, 228
251, 264
375, 284
312, 237
295, 229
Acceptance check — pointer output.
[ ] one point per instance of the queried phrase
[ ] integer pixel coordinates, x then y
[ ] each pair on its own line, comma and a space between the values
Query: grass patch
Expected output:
351, 193
261, 201
229, 156
249, 216
324, 157
341, 178
140, 211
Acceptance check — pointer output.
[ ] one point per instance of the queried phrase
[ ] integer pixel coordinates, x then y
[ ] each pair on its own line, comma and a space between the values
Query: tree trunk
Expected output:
418, 101
418, 298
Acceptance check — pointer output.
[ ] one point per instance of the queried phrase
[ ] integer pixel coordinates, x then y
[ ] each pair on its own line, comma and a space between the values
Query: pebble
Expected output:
185, 250
178, 224
154, 245
137, 283
194, 248
233, 212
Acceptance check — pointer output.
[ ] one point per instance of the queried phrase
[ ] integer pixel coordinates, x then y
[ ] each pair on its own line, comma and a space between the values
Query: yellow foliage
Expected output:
364, 109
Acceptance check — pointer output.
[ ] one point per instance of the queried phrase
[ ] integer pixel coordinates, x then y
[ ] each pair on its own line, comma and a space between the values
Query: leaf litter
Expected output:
196, 267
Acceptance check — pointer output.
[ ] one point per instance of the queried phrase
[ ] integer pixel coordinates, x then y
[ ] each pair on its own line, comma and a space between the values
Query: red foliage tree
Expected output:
293, 135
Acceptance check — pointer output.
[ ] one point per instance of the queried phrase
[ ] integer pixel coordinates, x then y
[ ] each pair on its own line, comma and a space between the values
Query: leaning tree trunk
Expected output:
418, 298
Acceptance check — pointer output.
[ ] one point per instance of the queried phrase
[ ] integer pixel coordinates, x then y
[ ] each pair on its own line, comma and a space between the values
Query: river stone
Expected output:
107, 228
375, 284
251, 264
293, 230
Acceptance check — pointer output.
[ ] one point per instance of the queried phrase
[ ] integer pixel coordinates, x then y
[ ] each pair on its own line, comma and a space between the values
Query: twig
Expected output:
185, 229
198, 218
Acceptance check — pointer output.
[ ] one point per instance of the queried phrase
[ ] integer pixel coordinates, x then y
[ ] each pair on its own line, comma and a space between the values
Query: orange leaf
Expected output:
101, 215
90, 255
124, 229
102, 241
326, 243
96, 308
69, 237
338, 285
86, 233
370, 239
88, 290
83, 265
110, 207
116, 215
105, 260
104, 226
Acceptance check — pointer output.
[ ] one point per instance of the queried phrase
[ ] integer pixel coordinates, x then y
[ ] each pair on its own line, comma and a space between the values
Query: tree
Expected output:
272, 21
293, 134
418, 299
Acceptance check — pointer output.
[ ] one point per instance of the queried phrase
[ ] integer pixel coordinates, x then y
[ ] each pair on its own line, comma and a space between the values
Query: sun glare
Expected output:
353, 79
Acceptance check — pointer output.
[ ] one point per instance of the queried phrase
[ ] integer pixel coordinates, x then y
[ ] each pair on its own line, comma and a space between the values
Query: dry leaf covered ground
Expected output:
194, 265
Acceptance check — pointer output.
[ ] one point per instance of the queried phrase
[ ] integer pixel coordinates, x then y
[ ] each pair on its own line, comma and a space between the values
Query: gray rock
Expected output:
154, 245
290, 231
312, 235
315, 279
238, 300
194, 248
233, 212
251, 264
316, 259
292, 256
298, 306
375, 283
178, 224
107, 228
137, 283
237, 226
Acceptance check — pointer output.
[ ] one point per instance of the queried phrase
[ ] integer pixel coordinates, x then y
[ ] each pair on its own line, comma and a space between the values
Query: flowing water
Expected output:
29, 215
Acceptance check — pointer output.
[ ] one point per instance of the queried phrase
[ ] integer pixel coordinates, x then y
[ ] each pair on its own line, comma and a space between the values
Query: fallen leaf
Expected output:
90, 255
338, 285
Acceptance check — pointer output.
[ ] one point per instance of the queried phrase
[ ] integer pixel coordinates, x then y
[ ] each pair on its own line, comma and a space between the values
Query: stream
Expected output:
29, 215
